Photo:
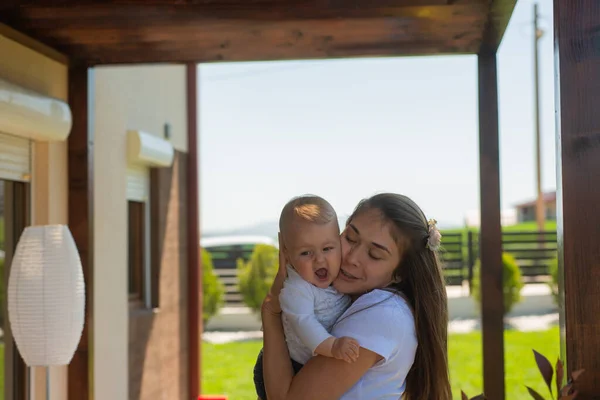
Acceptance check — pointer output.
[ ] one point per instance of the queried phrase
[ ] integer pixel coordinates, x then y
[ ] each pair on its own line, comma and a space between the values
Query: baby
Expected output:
311, 238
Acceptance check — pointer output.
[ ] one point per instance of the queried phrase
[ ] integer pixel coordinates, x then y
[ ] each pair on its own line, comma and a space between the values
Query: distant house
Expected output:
526, 211
508, 217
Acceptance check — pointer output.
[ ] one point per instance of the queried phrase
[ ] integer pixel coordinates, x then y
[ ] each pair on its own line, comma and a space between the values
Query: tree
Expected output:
256, 276
213, 289
512, 282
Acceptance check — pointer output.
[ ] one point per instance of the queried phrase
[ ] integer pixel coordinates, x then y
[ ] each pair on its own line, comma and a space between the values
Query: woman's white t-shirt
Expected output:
382, 322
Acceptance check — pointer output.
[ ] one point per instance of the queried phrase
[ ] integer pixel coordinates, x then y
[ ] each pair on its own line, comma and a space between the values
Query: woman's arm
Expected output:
324, 378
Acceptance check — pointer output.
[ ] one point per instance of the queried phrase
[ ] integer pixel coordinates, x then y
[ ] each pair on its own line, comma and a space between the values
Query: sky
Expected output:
347, 129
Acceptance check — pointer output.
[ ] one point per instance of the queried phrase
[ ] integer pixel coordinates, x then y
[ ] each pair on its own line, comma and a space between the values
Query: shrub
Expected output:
553, 269
256, 276
213, 289
512, 282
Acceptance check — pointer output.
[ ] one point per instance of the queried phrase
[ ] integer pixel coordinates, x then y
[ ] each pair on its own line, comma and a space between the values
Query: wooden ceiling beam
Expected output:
242, 9
181, 38
110, 56
255, 10
118, 32
499, 14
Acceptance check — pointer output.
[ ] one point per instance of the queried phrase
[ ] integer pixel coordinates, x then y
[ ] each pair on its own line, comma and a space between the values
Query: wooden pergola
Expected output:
89, 33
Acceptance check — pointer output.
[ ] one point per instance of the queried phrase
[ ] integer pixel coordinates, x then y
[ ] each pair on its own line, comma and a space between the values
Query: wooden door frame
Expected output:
17, 215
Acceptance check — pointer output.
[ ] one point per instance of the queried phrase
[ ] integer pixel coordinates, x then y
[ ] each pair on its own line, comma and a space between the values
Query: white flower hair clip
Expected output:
434, 239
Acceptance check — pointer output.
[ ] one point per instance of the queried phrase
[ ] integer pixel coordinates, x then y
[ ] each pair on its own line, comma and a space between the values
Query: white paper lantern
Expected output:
46, 296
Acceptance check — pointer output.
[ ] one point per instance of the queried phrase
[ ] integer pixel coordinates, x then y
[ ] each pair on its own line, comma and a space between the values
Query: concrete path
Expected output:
536, 301
521, 323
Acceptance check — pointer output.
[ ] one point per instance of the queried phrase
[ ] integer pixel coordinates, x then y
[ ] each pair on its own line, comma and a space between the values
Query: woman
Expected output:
391, 271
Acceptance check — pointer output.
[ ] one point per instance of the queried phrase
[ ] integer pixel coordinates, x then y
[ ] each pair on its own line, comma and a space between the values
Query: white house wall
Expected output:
138, 98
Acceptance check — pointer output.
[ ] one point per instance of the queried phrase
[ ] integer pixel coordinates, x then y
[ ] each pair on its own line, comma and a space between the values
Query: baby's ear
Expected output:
281, 244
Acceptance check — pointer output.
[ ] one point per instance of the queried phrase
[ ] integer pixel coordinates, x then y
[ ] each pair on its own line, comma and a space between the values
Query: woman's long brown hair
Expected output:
420, 279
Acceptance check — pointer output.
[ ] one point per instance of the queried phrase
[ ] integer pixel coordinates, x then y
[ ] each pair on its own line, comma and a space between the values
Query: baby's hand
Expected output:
345, 348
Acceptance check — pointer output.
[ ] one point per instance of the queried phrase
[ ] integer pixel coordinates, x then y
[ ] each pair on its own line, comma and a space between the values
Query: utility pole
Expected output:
540, 212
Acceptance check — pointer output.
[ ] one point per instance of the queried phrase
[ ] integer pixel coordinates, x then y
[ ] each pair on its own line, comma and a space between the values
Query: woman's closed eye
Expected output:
374, 257
349, 239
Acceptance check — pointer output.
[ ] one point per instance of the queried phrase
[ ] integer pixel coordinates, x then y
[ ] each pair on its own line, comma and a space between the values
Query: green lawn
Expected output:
227, 368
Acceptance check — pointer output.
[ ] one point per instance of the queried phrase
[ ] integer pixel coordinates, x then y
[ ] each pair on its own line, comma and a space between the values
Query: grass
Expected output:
520, 369
227, 368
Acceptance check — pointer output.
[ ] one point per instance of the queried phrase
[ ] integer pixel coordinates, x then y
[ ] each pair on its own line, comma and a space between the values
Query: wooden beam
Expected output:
81, 220
499, 15
194, 275
246, 9
135, 34
577, 61
492, 299
112, 17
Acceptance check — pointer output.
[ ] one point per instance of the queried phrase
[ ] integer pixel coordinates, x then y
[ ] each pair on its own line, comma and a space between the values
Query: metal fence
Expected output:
533, 251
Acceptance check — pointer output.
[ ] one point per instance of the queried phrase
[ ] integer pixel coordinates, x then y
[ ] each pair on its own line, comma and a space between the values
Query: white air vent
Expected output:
30, 115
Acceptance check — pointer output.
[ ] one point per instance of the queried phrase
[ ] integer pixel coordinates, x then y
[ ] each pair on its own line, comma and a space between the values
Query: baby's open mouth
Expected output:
321, 273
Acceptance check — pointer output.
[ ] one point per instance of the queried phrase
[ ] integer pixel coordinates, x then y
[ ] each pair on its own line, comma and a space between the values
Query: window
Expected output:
14, 217
142, 203
138, 255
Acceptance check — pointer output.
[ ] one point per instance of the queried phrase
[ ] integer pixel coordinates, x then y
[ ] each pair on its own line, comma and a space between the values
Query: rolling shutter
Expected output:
138, 183
15, 158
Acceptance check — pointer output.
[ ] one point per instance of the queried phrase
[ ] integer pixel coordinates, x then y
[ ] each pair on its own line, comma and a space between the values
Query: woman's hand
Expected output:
271, 303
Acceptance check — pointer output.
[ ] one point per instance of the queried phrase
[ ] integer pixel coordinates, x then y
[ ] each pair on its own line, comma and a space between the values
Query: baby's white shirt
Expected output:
308, 315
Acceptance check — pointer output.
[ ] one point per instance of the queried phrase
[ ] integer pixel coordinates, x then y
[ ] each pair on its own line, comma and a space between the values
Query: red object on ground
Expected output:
212, 397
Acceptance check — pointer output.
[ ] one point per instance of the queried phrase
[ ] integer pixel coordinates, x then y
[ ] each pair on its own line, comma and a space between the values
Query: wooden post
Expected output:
81, 219
490, 245
194, 276
470, 259
577, 62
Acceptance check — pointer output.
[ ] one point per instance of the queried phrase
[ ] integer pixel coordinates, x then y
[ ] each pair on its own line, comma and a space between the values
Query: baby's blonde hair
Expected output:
309, 208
